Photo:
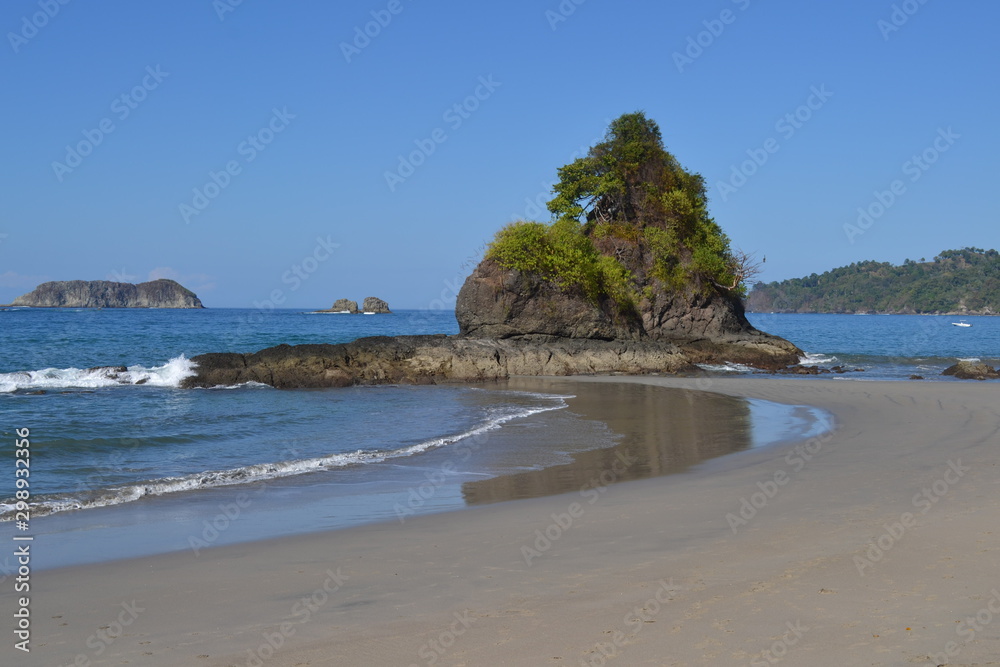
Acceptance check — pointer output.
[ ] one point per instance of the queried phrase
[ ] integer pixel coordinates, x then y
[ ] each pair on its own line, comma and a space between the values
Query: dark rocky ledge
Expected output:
435, 359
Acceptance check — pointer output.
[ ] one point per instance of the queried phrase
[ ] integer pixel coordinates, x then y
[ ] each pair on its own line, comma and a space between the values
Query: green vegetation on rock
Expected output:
957, 281
628, 221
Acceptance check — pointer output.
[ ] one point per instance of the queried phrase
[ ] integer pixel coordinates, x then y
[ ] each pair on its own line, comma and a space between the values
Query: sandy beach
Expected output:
874, 545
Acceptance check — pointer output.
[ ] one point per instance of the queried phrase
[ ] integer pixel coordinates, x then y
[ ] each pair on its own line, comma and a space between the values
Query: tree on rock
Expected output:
629, 222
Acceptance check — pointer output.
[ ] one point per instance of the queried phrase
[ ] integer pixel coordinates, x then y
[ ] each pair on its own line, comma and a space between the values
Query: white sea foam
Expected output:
51, 504
170, 374
250, 384
727, 367
812, 359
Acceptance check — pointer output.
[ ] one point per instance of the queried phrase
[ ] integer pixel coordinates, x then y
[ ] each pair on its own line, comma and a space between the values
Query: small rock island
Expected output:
632, 276
371, 305
162, 293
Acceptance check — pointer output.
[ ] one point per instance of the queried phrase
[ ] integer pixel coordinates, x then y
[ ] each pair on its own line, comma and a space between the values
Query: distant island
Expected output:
371, 305
160, 293
956, 282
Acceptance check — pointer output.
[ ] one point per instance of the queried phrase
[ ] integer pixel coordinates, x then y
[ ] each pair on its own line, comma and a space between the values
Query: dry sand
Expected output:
880, 549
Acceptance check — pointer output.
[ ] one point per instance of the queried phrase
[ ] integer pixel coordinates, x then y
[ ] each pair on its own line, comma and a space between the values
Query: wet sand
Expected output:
875, 545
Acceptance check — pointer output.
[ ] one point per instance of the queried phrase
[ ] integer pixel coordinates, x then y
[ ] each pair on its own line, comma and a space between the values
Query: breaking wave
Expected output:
170, 374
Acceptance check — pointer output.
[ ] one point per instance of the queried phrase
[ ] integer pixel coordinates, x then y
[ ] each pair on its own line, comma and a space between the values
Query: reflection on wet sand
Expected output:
661, 431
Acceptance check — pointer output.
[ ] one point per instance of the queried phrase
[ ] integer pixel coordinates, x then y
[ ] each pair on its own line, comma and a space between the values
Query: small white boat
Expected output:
368, 313
962, 324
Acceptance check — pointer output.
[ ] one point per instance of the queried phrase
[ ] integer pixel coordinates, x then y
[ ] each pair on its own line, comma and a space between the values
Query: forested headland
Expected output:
963, 281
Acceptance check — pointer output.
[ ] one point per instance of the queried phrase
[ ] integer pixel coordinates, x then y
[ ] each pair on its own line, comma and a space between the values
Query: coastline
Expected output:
459, 587
537, 440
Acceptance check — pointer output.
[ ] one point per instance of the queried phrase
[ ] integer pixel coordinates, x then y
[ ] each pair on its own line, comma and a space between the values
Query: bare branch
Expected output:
744, 268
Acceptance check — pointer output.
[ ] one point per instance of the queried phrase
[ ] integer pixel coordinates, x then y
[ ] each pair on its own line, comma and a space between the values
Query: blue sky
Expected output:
243, 149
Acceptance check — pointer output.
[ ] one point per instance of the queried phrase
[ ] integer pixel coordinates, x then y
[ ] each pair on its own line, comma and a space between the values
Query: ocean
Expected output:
887, 347
124, 462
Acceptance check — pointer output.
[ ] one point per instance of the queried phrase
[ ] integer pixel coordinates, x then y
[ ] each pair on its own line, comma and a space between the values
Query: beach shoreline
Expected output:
824, 551
535, 438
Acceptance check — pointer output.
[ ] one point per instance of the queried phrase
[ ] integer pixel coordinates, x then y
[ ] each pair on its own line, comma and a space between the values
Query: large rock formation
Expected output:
500, 303
160, 293
373, 304
545, 333
633, 276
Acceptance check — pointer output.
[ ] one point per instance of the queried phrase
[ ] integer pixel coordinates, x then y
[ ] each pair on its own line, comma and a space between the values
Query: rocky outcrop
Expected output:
373, 304
432, 359
972, 370
633, 276
160, 293
515, 324
707, 326
341, 305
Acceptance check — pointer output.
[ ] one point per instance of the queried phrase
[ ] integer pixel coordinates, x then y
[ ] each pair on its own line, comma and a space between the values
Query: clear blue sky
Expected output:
200, 78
